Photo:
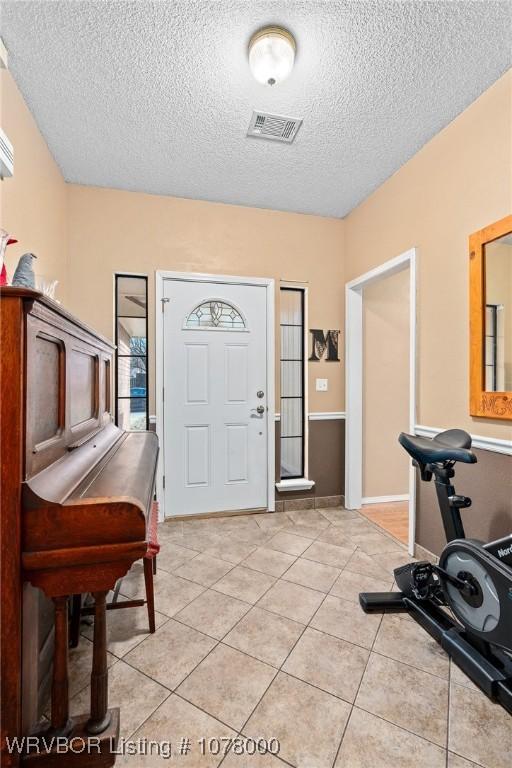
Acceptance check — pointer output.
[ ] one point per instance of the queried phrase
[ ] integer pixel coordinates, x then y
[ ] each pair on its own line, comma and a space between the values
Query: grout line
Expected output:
343, 735
240, 735
194, 704
316, 589
282, 671
148, 634
149, 716
411, 666
403, 728
209, 586
149, 678
144, 637
205, 711
87, 684
145, 674
369, 657
222, 641
424, 738
202, 631
218, 642
358, 688
466, 759
339, 567
325, 632
448, 709
279, 670
265, 610
308, 682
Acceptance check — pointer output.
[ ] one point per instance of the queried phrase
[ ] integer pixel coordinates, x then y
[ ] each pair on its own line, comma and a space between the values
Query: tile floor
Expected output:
260, 636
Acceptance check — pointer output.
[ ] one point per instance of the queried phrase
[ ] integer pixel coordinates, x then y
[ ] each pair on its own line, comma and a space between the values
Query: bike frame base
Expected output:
491, 672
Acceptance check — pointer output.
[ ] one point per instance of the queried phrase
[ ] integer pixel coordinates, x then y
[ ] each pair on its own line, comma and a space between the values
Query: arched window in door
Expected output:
215, 313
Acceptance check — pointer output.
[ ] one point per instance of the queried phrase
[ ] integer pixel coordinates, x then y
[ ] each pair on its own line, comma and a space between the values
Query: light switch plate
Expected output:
321, 385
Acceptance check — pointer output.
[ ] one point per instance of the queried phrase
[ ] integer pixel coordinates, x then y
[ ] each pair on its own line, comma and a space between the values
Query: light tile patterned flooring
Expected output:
260, 634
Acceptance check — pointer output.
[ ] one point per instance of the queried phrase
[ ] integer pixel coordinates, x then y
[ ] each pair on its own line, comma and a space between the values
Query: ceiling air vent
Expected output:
274, 127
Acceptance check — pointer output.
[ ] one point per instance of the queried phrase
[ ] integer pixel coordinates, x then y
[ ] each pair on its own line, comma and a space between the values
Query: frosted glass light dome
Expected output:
271, 55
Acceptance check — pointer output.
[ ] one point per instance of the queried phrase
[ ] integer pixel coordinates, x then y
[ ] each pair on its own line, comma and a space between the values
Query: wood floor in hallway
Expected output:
393, 517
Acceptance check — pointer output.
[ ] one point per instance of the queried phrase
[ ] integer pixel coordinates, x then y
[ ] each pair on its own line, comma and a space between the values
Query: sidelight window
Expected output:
292, 383
131, 336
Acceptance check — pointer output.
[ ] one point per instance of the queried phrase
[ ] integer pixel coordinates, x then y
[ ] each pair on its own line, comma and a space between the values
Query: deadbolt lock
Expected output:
260, 393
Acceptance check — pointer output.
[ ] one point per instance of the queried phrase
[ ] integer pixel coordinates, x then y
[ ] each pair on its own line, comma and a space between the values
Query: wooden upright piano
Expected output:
76, 492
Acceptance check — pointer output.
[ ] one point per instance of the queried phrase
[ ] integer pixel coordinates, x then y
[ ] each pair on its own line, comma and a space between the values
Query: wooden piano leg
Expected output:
76, 608
150, 596
100, 716
61, 724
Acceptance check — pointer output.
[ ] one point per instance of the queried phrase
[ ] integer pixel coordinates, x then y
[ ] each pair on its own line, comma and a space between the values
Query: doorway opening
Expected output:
381, 394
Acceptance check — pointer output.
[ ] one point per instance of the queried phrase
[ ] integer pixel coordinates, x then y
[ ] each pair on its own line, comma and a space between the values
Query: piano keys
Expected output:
76, 496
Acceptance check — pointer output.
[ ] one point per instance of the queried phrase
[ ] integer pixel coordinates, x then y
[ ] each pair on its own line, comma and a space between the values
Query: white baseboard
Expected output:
425, 554
385, 499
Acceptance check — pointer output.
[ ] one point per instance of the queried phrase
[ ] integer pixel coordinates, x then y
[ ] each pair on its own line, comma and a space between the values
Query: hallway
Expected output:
392, 517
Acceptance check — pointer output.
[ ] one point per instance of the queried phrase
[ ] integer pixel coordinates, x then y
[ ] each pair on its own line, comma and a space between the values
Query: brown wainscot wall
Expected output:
326, 456
488, 483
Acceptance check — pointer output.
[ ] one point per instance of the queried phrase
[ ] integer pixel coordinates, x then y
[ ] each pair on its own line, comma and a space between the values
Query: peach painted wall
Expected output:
111, 231
458, 183
33, 202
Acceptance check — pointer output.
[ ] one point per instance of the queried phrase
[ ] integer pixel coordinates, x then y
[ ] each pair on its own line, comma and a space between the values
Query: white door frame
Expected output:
160, 277
354, 378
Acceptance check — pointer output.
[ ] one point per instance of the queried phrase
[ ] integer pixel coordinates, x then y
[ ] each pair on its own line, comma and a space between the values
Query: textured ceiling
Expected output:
157, 96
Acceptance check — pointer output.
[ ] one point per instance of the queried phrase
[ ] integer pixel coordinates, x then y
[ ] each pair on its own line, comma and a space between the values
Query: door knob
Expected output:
260, 409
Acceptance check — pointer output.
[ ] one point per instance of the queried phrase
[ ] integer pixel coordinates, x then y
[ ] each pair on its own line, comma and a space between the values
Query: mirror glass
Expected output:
498, 315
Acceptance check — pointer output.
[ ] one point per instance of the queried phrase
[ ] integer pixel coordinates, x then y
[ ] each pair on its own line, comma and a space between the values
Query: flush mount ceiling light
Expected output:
271, 55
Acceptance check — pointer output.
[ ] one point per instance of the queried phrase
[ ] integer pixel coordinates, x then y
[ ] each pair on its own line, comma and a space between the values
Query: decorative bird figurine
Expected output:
24, 274
5, 240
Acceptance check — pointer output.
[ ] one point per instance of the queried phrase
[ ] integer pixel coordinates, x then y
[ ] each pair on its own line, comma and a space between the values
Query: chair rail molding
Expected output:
321, 416
327, 416
492, 444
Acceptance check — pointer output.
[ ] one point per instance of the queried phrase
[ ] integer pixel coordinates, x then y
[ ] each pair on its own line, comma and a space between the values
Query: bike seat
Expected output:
451, 445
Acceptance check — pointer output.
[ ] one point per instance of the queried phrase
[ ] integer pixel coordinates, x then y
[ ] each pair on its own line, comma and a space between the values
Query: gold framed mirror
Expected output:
490, 321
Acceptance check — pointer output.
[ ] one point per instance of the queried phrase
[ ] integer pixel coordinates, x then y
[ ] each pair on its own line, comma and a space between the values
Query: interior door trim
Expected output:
161, 276
354, 339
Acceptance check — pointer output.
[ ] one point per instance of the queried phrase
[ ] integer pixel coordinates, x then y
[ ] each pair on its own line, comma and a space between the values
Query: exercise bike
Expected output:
473, 580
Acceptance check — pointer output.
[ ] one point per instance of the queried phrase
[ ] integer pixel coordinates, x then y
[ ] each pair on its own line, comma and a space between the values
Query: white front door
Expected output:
215, 396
